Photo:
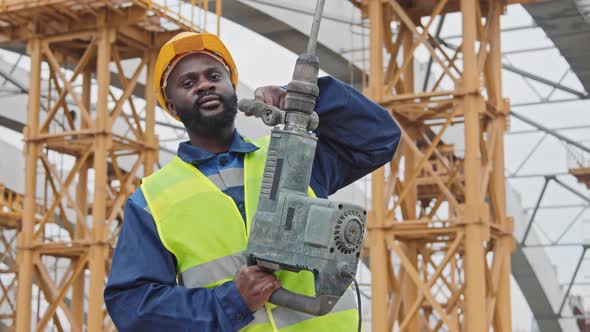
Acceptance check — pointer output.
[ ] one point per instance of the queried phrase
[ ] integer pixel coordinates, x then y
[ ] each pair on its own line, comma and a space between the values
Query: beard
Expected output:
198, 122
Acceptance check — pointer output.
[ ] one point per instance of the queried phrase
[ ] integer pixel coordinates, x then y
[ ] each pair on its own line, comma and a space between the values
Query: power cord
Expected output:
358, 299
345, 272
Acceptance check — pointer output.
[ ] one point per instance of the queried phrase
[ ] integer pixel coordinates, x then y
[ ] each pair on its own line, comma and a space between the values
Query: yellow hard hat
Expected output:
187, 42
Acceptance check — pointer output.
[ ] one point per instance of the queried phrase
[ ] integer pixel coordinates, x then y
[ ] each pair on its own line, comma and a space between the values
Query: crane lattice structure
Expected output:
76, 49
439, 240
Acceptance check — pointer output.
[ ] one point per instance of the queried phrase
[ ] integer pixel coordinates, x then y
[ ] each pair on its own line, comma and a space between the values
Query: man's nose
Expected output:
204, 86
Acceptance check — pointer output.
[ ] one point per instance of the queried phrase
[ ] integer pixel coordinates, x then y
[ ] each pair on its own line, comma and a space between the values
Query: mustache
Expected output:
200, 95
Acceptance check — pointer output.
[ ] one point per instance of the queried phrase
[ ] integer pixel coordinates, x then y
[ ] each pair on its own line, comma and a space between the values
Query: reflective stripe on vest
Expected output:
203, 229
207, 274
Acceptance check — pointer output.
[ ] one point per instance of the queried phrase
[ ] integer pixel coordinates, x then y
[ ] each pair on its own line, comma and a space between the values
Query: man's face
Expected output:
200, 92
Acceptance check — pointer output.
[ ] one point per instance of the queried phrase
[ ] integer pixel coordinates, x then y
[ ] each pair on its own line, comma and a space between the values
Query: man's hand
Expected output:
256, 285
271, 95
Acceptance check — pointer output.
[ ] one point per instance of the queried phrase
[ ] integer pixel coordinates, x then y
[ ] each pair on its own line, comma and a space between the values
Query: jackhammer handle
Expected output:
270, 115
317, 306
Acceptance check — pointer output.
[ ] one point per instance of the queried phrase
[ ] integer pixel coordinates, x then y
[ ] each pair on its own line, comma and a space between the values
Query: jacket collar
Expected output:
196, 156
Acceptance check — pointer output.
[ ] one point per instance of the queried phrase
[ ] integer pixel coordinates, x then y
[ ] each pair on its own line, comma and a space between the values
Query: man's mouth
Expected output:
209, 102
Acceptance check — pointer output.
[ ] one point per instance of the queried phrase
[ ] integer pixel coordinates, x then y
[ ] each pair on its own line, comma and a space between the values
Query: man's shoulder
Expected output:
164, 172
138, 198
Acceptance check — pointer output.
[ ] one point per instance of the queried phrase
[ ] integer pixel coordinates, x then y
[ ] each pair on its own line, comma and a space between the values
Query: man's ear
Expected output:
171, 108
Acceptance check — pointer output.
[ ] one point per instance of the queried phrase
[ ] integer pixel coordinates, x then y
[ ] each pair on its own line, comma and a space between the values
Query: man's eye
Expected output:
215, 76
187, 84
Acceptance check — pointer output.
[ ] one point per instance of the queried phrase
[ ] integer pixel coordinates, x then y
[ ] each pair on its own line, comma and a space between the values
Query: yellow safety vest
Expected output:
202, 227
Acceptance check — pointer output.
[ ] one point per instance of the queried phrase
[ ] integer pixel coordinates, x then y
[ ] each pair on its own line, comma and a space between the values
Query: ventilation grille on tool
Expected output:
343, 245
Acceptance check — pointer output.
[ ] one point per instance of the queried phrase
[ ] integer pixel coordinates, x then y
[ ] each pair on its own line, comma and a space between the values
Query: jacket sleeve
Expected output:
142, 293
355, 137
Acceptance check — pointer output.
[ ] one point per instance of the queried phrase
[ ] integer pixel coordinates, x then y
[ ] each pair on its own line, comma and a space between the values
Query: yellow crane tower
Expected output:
72, 43
439, 240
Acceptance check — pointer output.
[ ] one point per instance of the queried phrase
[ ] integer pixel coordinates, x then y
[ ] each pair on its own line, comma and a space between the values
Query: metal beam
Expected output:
570, 225
524, 50
557, 206
532, 218
543, 80
519, 132
12, 69
528, 176
582, 283
530, 154
439, 26
303, 11
11, 124
528, 50
572, 190
567, 293
550, 131
527, 74
547, 102
512, 29
9, 78
553, 245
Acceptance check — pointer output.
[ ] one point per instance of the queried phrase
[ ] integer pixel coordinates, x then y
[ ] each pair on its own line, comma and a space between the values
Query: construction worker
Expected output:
178, 264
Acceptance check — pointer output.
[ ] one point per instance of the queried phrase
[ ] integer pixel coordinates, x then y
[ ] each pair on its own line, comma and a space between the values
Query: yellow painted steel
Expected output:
69, 42
440, 216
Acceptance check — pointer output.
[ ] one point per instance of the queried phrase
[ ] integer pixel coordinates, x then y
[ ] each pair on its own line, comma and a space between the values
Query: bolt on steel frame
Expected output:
81, 49
439, 240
